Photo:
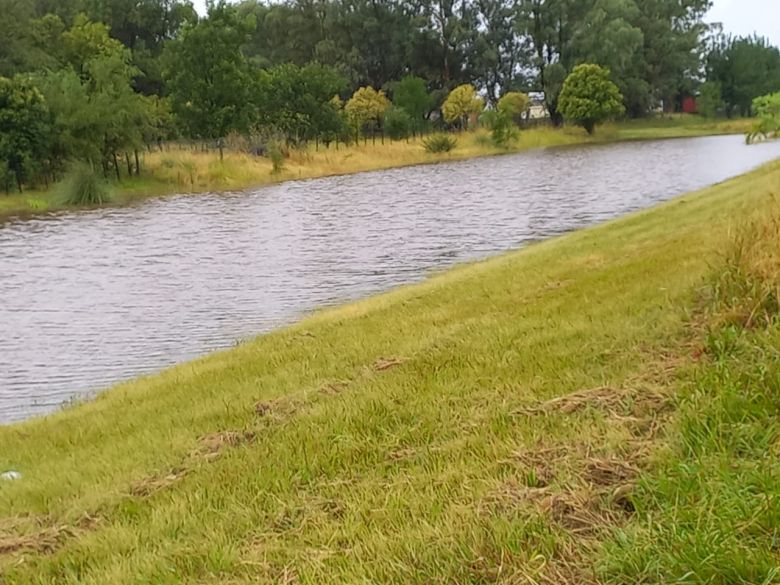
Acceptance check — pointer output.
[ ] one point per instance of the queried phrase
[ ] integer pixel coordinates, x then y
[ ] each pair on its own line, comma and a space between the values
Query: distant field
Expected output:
597, 408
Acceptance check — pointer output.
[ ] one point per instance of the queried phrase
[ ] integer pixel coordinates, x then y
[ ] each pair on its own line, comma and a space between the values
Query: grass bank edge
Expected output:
605, 292
708, 507
192, 172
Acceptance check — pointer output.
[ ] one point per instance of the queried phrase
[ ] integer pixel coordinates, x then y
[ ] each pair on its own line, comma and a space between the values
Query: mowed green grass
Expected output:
407, 438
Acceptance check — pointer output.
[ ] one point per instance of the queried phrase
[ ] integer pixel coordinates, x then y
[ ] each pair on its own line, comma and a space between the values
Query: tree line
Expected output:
98, 80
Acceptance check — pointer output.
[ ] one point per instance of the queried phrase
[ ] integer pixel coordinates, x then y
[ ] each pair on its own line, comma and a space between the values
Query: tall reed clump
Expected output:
83, 185
746, 291
277, 155
439, 143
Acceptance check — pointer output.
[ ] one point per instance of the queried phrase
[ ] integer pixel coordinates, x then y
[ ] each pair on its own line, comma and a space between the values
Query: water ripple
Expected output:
95, 297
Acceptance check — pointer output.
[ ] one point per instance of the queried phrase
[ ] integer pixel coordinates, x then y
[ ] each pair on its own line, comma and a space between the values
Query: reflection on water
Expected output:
91, 298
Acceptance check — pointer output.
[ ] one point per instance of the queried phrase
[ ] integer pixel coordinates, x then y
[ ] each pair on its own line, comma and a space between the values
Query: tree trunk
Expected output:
137, 164
116, 166
19, 180
129, 165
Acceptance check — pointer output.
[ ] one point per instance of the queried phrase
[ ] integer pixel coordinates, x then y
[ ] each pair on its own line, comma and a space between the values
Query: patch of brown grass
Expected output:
386, 363
608, 472
601, 397
43, 541
39, 535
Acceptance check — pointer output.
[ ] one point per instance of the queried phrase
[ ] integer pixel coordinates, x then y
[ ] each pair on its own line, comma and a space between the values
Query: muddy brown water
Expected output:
91, 298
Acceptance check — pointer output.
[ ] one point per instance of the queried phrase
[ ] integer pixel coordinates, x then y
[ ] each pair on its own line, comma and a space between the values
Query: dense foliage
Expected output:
99, 80
589, 97
767, 109
744, 69
504, 119
462, 103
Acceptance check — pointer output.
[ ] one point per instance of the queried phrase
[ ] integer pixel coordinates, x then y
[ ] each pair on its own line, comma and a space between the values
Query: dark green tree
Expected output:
412, 96
673, 47
15, 42
397, 122
710, 99
499, 56
297, 102
143, 26
610, 36
87, 40
97, 114
208, 77
24, 128
744, 68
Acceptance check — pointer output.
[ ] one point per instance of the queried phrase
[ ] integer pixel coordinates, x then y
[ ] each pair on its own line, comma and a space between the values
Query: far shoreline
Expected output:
185, 171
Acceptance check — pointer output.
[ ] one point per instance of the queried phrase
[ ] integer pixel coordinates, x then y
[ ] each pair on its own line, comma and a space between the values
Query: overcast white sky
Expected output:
739, 17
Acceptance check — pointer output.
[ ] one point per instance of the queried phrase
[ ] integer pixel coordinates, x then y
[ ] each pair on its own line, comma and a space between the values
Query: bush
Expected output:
84, 186
589, 97
397, 123
237, 142
747, 291
461, 103
439, 143
767, 109
514, 104
502, 129
276, 154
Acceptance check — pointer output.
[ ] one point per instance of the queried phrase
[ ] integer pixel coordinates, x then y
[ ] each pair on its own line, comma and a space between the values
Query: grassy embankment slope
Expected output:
182, 171
601, 407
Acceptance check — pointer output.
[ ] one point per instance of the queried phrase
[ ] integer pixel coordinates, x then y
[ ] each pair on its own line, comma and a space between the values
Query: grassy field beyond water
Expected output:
184, 170
597, 408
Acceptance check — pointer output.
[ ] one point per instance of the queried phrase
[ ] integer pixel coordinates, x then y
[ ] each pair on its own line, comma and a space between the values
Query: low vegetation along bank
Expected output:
598, 408
191, 170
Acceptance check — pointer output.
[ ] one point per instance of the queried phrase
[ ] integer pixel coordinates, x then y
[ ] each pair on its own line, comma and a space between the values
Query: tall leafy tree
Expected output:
97, 113
141, 23
298, 101
24, 127
143, 26
673, 46
589, 97
499, 55
744, 68
462, 103
610, 36
411, 94
15, 42
208, 77
366, 108
87, 40
549, 27
443, 39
